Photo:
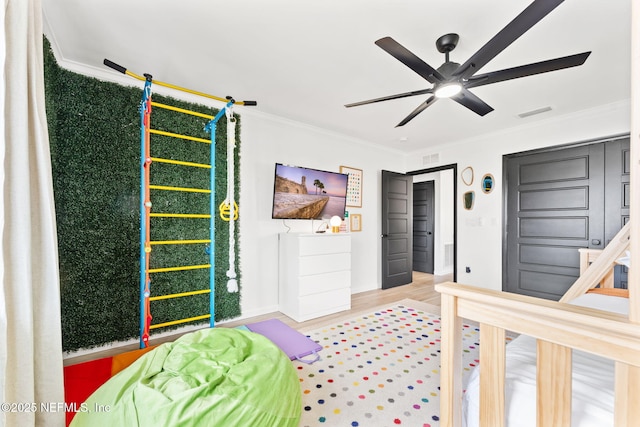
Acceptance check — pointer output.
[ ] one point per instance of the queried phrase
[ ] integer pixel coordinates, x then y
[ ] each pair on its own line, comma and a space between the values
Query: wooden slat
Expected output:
608, 279
492, 371
451, 364
596, 272
634, 292
627, 401
634, 162
553, 385
613, 292
588, 256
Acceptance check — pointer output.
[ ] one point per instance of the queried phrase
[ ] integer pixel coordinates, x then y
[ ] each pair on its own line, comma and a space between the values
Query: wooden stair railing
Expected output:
558, 327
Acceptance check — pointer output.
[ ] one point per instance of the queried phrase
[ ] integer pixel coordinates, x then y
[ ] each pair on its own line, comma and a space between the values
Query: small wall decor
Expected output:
356, 222
467, 175
468, 199
354, 186
487, 183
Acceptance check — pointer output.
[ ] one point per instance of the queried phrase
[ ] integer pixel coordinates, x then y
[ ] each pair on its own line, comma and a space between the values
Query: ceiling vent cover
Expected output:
534, 112
431, 158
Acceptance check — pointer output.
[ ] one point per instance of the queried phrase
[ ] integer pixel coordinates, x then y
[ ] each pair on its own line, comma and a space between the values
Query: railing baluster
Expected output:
627, 403
553, 385
451, 364
492, 370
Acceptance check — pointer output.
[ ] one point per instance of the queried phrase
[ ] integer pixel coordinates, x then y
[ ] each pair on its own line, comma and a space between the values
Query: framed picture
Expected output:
354, 186
356, 222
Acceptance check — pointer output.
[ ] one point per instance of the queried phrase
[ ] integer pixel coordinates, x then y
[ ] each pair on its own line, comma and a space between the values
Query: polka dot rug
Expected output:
379, 369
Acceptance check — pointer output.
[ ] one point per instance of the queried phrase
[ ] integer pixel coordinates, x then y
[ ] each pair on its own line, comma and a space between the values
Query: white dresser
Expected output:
314, 274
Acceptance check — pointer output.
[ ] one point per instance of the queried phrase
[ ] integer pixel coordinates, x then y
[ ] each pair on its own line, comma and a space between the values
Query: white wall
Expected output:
267, 140
480, 230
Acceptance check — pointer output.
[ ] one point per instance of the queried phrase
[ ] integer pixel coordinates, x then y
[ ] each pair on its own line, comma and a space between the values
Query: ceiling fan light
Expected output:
448, 90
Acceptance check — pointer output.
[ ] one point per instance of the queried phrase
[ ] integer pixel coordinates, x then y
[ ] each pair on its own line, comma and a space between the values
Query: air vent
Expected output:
534, 112
431, 158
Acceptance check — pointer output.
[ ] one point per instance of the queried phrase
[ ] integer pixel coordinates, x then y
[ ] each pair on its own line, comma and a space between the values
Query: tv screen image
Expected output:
305, 193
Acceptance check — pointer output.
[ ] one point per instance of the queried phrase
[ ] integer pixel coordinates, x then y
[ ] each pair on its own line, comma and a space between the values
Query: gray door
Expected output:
555, 205
423, 226
396, 229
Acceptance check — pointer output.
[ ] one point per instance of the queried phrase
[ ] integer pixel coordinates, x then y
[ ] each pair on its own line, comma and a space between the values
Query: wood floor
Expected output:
421, 289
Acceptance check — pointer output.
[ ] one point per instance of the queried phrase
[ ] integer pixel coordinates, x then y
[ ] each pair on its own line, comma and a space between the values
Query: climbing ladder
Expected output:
228, 209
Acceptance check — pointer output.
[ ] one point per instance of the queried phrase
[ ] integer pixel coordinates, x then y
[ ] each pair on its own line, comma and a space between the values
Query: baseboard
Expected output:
357, 290
252, 313
84, 354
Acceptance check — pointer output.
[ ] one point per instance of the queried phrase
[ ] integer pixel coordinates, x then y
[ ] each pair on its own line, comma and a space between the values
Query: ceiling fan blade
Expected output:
418, 110
409, 59
514, 29
387, 98
528, 70
472, 102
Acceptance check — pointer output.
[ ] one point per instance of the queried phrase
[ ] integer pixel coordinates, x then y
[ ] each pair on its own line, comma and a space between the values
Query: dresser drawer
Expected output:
316, 305
320, 264
327, 244
318, 283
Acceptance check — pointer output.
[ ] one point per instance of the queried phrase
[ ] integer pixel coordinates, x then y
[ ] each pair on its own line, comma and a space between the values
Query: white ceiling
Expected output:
304, 60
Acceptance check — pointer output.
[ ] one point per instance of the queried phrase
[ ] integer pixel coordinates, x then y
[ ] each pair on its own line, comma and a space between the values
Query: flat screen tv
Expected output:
304, 193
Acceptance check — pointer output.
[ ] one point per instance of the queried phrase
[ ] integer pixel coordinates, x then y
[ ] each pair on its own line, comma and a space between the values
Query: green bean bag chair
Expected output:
212, 377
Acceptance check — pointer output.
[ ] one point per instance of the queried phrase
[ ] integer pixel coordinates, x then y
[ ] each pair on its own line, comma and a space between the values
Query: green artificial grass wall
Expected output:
94, 132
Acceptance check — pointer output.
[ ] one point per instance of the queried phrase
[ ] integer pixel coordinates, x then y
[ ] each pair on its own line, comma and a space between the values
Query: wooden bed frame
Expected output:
559, 327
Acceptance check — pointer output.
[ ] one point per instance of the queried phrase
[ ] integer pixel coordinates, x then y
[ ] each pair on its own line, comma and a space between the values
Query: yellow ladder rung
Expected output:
179, 295
181, 110
183, 268
177, 322
177, 242
177, 135
180, 162
178, 215
185, 189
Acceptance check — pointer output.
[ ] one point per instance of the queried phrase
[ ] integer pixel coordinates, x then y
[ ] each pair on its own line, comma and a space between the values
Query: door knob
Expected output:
384, 235
595, 242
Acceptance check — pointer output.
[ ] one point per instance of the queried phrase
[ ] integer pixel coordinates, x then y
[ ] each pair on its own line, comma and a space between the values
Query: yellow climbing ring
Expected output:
225, 211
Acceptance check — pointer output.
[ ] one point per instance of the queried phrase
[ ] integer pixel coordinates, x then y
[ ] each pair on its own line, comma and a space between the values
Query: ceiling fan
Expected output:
452, 80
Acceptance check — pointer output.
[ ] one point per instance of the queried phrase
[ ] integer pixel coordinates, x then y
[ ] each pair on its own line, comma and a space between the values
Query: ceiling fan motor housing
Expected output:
448, 68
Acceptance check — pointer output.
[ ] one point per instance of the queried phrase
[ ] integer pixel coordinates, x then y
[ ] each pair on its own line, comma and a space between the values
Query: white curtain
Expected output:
30, 332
